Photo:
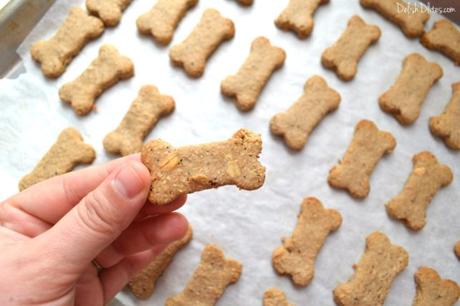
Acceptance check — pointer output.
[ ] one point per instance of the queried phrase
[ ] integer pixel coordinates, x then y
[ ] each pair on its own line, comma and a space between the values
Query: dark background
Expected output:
455, 17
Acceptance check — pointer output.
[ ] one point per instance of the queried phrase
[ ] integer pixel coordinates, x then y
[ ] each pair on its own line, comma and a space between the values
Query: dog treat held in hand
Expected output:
298, 16
381, 263
410, 18
457, 249
109, 11
296, 124
143, 284
447, 125
434, 291
209, 281
275, 297
193, 53
445, 38
427, 178
193, 168
297, 255
344, 55
66, 153
368, 146
162, 20
405, 97
142, 116
105, 71
56, 53
248, 83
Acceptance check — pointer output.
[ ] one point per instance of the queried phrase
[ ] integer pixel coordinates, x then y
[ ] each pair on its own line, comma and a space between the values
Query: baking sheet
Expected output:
249, 225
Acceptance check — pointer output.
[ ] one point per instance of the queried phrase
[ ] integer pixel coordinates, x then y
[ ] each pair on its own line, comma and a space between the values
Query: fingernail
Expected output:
127, 181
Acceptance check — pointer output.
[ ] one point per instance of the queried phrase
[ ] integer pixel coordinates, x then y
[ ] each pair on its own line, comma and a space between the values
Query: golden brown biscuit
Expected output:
105, 71
209, 280
143, 284
141, 117
457, 249
193, 168
445, 38
296, 257
275, 297
162, 20
427, 178
298, 16
344, 55
296, 124
447, 124
193, 53
252, 77
405, 97
66, 153
434, 291
109, 11
55, 54
381, 263
368, 146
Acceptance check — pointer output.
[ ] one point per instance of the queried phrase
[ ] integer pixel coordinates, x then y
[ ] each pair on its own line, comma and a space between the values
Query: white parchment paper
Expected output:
249, 225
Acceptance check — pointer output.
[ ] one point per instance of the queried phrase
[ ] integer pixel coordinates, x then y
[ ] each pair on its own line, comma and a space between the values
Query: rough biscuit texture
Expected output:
427, 178
275, 297
56, 53
368, 146
434, 291
143, 284
296, 257
109, 11
248, 83
142, 116
193, 53
447, 125
457, 249
296, 124
194, 168
408, 16
209, 280
381, 263
162, 20
298, 16
105, 71
344, 55
405, 97
444, 37
65, 154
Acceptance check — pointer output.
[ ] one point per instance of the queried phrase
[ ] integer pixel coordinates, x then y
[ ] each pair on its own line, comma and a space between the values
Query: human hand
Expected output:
51, 233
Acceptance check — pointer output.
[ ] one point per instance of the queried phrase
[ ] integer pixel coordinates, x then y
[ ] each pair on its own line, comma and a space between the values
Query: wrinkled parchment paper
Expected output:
249, 225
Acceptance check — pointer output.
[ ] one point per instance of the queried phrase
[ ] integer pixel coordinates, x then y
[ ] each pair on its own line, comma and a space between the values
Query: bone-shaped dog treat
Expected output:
405, 97
275, 297
407, 16
447, 125
344, 55
105, 71
445, 38
374, 274
457, 249
368, 146
142, 116
65, 154
296, 257
296, 124
434, 291
209, 280
193, 53
56, 53
194, 168
298, 16
143, 284
248, 83
162, 20
109, 11
427, 178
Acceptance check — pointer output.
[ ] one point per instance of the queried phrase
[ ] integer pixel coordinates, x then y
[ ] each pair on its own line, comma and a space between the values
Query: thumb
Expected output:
100, 217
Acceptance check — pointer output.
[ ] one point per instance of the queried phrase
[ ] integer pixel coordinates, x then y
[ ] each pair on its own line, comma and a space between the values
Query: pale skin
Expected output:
51, 233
